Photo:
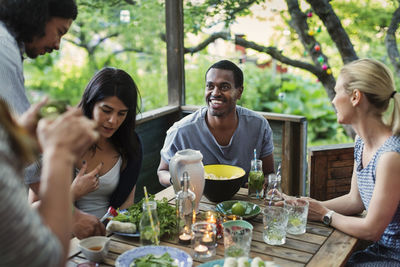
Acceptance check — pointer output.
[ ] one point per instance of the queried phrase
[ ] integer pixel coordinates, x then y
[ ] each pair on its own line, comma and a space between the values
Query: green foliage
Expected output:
137, 48
166, 215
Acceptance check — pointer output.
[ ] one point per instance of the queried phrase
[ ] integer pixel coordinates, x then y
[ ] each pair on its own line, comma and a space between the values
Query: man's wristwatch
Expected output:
327, 219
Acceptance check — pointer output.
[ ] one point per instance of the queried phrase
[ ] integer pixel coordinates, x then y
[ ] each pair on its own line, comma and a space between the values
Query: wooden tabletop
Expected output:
319, 246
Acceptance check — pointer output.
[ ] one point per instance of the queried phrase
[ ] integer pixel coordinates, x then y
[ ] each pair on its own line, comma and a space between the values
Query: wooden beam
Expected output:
175, 52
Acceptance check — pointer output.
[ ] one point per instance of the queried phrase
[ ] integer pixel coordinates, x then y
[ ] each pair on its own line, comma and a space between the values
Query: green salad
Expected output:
150, 260
166, 215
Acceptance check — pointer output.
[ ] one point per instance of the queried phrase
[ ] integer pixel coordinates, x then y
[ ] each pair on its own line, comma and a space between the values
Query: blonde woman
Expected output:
29, 237
365, 95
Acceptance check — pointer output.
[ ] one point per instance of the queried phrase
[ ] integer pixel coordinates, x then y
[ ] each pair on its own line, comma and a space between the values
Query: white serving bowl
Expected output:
95, 248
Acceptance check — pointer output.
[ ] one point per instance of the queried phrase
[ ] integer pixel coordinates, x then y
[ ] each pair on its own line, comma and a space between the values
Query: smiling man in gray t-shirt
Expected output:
223, 132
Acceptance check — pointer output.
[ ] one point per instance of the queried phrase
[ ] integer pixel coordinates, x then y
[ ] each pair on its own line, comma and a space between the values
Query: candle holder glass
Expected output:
213, 217
204, 240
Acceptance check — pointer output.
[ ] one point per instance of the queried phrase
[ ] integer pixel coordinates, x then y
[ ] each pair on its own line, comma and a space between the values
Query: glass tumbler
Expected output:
298, 211
275, 220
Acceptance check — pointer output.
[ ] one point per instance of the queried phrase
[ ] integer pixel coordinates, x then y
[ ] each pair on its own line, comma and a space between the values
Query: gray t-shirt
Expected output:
253, 132
12, 88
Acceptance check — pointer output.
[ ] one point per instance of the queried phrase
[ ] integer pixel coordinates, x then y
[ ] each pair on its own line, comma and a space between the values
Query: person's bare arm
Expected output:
268, 167
33, 194
61, 147
350, 203
163, 173
383, 205
129, 201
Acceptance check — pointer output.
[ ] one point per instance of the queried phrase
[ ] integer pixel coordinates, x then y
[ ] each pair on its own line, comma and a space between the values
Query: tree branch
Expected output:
206, 42
335, 29
390, 41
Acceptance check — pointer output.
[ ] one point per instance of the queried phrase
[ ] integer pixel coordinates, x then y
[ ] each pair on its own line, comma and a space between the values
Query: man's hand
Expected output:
85, 225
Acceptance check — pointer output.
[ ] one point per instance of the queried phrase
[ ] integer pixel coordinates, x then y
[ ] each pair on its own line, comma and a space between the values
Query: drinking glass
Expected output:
237, 238
298, 211
256, 180
149, 225
275, 220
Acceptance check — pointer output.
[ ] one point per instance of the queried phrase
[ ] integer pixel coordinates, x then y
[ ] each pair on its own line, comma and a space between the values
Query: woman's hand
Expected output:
29, 119
316, 210
85, 183
71, 134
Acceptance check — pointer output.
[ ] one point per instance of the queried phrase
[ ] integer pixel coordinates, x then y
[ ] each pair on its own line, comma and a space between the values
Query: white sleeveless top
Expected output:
97, 202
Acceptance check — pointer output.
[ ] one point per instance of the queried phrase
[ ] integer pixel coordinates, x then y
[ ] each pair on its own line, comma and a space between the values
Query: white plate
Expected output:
182, 258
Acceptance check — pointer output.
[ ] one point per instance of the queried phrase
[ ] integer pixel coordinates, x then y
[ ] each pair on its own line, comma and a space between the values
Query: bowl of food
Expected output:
222, 181
95, 248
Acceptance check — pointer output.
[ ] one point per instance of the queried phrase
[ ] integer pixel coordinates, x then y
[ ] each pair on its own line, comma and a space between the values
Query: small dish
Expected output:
182, 258
252, 210
95, 248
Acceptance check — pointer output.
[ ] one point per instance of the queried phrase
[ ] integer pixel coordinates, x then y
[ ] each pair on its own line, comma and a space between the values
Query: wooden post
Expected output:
175, 52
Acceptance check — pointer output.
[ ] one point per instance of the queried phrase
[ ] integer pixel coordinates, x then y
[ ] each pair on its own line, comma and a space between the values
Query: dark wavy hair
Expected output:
28, 18
229, 65
109, 82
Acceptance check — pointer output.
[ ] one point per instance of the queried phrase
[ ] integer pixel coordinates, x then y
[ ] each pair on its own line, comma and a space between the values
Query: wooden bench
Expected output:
289, 136
330, 170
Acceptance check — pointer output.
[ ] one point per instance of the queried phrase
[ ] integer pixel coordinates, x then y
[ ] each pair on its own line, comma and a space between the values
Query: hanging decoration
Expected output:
309, 14
311, 32
329, 71
324, 67
317, 48
321, 59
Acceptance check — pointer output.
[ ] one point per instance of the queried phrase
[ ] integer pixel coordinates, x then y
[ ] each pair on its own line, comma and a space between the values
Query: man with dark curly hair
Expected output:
32, 28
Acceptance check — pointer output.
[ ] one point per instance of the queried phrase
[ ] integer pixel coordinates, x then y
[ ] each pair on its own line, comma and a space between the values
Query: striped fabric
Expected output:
12, 88
24, 239
366, 182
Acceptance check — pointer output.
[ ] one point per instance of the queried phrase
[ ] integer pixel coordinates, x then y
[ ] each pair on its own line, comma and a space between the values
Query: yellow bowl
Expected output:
218, 190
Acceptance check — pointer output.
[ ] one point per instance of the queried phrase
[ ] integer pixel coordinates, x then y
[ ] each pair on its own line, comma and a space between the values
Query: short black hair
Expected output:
28, 18
229, 65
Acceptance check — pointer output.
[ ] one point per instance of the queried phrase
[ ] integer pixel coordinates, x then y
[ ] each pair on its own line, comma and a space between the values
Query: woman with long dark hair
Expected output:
113, 163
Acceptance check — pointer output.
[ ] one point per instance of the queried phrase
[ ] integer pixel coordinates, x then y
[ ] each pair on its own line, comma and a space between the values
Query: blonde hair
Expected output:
376, 81
20, 142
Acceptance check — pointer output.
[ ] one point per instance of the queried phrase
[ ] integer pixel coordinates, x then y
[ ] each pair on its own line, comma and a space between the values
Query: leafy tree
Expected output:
364, 16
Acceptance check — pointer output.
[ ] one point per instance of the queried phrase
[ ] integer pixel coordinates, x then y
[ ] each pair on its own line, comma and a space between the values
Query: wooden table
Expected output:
319, 246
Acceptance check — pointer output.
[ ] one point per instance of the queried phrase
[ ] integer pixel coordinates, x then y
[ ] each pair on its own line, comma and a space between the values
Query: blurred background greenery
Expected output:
100, 37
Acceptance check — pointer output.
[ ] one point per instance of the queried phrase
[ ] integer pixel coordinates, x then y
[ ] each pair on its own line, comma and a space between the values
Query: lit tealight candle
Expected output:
201, 249
212, 219
185, 238
207, 238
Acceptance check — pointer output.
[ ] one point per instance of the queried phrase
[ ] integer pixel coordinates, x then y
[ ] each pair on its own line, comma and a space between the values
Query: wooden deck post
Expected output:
175, 52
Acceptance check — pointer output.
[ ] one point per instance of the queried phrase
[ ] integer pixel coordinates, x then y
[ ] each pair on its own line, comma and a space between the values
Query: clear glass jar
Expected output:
149, 225
256, 180
185, 207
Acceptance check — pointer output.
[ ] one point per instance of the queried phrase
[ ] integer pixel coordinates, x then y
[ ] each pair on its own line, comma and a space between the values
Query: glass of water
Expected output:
298, 211
275, 220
